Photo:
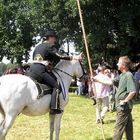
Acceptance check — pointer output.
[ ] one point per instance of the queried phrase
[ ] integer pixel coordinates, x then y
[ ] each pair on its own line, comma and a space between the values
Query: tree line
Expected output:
112, 27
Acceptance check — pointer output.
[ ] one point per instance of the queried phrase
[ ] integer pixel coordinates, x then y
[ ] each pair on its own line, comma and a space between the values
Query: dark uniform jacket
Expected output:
44, 53
48, 52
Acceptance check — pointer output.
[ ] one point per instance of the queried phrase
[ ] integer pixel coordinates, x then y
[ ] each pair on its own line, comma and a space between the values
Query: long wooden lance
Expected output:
88, 56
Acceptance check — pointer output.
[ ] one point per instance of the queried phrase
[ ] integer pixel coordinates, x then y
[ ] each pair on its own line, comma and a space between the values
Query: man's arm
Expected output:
106, 81
128, 98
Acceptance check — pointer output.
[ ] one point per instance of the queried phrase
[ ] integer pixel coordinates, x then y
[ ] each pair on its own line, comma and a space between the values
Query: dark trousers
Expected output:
123, 124
39, 72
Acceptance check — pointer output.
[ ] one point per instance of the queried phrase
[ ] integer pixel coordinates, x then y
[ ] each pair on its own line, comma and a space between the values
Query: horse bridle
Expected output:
84, 73
63, 72
69, 74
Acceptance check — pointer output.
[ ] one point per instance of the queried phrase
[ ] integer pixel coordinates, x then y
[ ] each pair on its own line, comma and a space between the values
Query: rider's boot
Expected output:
55, 107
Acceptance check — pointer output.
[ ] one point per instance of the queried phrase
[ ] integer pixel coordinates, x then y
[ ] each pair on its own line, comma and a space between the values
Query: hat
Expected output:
50, 33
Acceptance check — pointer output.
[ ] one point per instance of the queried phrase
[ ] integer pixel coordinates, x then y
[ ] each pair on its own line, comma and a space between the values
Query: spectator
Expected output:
79, 87
112, 89
124, 96
90, 89
19, 70
114, 74
102, 93
16, 70
137, 79
11, 71
85, 86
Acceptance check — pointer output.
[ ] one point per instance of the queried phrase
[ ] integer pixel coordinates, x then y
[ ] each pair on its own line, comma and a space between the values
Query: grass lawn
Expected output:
78, 123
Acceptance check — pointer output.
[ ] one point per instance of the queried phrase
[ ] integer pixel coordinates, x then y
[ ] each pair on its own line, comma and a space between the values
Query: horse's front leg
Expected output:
57, 125
52, 120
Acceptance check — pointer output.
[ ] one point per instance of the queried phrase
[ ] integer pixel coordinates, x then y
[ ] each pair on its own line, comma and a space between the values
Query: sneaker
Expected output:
94, 100
102, 121
98, 121
94, 103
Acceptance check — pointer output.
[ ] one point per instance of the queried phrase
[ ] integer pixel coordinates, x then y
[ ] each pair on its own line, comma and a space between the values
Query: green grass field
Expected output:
78, 123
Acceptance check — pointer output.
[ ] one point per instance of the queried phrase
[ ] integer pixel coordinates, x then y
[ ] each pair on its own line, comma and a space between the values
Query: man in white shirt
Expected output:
102, 94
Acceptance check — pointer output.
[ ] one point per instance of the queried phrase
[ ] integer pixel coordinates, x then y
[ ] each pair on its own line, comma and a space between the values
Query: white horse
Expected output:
18, 94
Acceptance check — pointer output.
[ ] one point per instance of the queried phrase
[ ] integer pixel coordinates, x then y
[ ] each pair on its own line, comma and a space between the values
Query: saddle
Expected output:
42, 89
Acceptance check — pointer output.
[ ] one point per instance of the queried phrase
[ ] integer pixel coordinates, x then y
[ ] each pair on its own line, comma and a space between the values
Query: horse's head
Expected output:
79, 70
72, 68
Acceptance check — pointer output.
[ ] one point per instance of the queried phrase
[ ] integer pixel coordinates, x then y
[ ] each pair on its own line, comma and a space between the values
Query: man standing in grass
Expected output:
124, 96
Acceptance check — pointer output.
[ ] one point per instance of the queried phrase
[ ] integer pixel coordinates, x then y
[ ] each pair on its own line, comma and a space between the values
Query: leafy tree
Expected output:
112, 27
15, 29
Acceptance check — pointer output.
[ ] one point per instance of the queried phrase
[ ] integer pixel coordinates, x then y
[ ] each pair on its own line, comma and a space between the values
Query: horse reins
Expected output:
63, 72
69, 74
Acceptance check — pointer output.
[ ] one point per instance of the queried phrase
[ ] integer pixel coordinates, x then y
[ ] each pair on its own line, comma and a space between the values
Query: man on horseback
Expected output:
44, 56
